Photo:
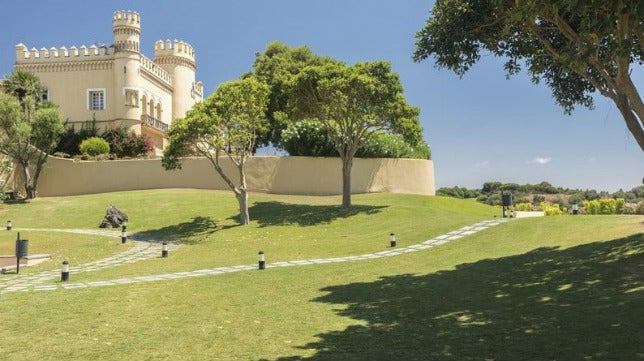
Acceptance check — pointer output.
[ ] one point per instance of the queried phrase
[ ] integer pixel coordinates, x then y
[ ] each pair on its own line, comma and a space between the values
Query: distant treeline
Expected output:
490, 194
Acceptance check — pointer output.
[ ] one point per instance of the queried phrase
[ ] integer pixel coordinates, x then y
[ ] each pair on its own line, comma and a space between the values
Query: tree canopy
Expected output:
29, 131
576, 47
226, 124
352, 102
277, 66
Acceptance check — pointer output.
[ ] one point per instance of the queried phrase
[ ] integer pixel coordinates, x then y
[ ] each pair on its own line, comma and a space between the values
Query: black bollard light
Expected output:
64, 274
392, 240
123, 236
9, 225
164, 250
262, 261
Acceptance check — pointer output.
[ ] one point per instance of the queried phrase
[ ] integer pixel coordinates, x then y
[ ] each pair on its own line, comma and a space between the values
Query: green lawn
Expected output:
551, 288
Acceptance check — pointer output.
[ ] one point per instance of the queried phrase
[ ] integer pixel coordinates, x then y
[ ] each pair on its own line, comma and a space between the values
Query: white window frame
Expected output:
89, 100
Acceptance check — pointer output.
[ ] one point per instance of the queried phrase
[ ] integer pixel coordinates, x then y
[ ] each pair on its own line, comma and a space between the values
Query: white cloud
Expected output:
540, 160
483, 163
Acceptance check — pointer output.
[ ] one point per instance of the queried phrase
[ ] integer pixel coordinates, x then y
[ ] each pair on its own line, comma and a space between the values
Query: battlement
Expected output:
174, 48
126, 18
83, 53
153, 68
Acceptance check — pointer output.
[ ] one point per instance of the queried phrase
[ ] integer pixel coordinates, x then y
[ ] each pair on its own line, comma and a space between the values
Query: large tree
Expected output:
352, 102
276, 66
29, 130
225, 125
576, 47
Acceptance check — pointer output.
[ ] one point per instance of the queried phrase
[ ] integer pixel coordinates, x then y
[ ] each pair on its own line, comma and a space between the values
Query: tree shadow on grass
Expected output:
277, 213
192, 232
581, 303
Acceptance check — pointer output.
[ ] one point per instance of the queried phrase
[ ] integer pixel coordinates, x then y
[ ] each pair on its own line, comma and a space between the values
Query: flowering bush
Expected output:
125, 143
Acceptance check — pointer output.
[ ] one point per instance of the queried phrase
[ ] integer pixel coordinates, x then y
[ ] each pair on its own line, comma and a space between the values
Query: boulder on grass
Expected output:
114, 218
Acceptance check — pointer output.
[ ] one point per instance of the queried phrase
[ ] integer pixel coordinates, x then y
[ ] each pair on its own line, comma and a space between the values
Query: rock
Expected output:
114, 218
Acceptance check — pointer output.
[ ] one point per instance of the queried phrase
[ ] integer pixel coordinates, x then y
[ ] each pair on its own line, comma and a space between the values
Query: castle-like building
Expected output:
118, 85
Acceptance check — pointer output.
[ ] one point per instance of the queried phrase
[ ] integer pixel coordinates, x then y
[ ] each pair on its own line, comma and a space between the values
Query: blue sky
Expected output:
480, 128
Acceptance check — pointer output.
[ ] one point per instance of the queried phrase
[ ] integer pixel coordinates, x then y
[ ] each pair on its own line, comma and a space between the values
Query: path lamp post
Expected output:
9, 225
123, 235
392, 239
64, 274
164, 250
262, 260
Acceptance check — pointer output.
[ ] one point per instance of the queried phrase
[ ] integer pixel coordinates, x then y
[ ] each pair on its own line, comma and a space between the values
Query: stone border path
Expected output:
150, 249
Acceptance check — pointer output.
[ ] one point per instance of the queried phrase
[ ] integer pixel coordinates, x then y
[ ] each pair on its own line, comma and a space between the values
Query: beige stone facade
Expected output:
118, 85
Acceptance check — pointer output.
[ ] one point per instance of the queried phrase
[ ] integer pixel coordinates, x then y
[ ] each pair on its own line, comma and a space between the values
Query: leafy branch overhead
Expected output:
576, 47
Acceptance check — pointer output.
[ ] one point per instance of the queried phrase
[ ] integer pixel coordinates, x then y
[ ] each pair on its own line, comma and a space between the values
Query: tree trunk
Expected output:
242, 198
29, 189
347, 163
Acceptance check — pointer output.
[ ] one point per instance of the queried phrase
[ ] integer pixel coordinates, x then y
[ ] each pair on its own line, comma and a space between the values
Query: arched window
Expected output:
144, 103
151, 108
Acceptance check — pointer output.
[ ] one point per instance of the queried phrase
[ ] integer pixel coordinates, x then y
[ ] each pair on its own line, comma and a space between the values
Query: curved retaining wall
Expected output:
266, 174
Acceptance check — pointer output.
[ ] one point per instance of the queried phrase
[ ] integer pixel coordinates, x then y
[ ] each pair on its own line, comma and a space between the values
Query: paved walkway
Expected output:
143, 250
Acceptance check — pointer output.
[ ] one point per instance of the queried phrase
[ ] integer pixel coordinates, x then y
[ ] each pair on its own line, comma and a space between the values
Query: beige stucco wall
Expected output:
283, 175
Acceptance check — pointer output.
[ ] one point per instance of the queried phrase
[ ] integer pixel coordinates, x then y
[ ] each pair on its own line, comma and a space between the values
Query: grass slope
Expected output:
553, 288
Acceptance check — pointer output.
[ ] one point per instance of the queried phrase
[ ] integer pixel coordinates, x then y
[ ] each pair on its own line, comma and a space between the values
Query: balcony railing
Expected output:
154, 123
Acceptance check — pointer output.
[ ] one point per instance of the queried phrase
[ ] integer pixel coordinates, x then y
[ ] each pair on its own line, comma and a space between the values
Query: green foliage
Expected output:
29, 131
537, 199
94, 146
577, 47
276, 67
523, 207
386, 145
229, 122
550, 209
282, 67
307, 137
353, 102
22, 85
125, 143
71, 139
604, 206
620, 204
457, 192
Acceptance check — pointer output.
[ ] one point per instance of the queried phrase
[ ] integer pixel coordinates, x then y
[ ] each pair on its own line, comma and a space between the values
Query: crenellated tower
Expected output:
118, 85
126, 26
178, 58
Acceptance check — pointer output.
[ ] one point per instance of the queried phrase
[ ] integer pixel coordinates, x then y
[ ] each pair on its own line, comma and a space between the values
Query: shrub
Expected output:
550, 209
523, 207
604, 206
94, 146
70, 141
309, 137
620, 204
126, 143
